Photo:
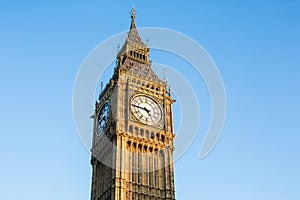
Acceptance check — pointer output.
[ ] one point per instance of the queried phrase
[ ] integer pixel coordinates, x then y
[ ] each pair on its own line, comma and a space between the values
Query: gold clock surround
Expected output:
145, 109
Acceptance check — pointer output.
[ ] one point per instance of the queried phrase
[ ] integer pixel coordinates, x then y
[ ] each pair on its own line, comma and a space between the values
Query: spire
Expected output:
132, 26
133, 57
133, 35
133, 38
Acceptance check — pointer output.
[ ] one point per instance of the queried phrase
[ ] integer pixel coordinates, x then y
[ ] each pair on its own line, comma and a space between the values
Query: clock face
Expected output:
103, 117
146, 110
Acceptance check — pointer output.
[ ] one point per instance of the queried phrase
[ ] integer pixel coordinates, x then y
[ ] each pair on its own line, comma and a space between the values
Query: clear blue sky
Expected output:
255, 44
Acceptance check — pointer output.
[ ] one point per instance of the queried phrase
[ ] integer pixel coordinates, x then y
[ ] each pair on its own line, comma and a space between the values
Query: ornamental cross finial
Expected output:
132, 13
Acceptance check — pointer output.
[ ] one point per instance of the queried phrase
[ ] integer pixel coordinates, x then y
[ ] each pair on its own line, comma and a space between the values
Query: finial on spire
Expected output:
165, 75
101, 86
132, 13
169, 91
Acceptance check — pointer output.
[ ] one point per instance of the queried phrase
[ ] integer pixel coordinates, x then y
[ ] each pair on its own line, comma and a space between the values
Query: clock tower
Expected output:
133, 136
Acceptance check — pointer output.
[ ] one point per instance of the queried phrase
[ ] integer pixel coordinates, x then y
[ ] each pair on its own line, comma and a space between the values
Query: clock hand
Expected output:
148, 111
137, 106
143, 108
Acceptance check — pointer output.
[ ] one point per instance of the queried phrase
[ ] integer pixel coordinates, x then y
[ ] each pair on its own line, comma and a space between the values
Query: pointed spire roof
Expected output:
134, 55
133, 35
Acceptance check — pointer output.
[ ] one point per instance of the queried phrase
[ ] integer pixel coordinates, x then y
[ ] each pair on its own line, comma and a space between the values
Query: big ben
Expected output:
133, 135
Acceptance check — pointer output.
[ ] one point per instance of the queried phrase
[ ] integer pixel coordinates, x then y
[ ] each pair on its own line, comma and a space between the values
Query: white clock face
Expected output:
146, 110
